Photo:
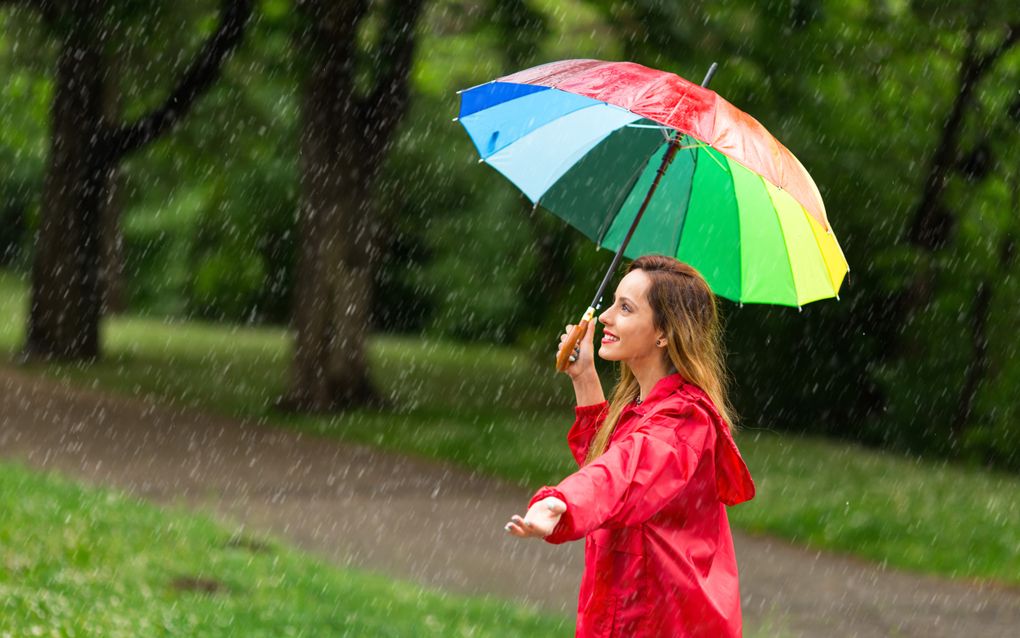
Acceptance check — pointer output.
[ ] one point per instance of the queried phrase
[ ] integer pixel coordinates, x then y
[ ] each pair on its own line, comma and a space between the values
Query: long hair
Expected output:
685, 309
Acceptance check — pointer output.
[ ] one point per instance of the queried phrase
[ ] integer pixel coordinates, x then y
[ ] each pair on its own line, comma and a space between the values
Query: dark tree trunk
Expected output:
343, 142
111, 270
111, 274
85, 151
64, 307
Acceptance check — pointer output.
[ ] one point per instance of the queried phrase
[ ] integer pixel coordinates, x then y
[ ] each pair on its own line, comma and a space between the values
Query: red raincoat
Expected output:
658, 557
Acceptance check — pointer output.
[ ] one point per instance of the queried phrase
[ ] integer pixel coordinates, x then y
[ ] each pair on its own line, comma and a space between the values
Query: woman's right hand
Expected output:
585, 351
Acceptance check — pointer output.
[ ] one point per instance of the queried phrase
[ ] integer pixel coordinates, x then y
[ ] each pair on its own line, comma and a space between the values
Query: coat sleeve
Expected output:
634, 479
587, 419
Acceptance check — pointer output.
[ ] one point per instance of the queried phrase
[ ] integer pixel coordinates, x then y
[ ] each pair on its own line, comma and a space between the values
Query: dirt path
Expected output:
433, 524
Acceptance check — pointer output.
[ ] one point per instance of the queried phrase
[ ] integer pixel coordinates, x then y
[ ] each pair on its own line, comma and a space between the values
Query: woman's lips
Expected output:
609, 337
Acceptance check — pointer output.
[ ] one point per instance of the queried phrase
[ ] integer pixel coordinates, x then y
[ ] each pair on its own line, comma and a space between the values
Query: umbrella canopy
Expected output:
586, 138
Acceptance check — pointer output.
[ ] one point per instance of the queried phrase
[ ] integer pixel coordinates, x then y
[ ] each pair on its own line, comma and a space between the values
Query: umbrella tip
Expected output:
455, 119
800, 309
708, 76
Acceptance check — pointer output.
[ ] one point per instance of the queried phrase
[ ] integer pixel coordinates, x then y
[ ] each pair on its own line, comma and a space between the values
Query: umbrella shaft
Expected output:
674, 146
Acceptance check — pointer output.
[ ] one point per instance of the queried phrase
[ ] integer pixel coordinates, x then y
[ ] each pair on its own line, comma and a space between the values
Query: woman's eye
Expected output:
626, 307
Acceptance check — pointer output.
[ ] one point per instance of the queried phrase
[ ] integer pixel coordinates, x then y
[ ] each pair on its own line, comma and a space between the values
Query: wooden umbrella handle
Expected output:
563, 356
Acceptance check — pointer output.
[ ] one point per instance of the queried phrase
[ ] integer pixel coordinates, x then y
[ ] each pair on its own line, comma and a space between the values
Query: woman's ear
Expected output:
660, 340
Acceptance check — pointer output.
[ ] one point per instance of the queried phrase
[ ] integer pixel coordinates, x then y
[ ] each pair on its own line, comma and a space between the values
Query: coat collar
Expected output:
664, 387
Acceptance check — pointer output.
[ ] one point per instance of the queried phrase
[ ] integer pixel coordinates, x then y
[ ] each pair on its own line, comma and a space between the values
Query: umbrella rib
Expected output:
678, 103
740, 234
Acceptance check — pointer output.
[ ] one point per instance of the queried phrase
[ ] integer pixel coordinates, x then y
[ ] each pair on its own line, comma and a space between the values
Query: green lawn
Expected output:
88, 562
497, 411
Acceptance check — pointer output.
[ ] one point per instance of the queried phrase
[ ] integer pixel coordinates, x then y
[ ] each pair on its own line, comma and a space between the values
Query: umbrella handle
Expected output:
563, 356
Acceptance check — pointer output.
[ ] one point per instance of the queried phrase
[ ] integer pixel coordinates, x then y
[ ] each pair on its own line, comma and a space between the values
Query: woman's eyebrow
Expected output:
627, 299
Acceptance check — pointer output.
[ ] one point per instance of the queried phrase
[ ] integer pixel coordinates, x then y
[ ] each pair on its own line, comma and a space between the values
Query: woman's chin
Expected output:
607, 354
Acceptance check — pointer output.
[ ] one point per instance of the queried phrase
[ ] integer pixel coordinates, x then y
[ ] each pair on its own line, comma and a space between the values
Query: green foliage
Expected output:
24, 102
209, 225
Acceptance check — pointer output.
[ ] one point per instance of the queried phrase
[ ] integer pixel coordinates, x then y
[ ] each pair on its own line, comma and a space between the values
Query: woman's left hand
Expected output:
540, 520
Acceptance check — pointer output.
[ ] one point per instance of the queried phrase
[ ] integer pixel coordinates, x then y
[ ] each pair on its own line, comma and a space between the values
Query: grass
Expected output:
89, 562
497, 411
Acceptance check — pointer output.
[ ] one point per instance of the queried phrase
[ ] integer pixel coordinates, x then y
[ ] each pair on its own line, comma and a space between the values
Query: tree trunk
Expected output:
64, 310
334, 272
111, 271
343, 141
85, 150
111, 274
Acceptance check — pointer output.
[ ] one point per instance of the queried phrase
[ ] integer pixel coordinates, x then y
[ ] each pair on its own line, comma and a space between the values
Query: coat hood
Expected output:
732, 479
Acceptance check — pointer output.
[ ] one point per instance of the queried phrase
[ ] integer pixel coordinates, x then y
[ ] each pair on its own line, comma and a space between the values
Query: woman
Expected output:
658, 465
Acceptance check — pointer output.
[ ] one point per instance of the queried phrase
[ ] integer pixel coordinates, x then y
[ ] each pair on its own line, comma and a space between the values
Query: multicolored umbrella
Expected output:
605, 144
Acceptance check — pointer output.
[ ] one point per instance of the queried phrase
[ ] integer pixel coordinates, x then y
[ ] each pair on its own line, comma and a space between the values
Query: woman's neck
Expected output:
650, 373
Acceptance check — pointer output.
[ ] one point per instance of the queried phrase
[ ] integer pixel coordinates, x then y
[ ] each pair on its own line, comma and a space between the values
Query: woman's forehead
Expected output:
634, 285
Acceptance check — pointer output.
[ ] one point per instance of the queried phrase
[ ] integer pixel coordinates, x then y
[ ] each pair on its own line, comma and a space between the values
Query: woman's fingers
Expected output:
540, 521
521, 528
566, 333
526, 528
515, 529
524, 524
563, 339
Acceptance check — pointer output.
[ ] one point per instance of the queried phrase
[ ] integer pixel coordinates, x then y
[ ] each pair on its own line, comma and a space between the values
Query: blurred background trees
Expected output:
87, 142
906, 114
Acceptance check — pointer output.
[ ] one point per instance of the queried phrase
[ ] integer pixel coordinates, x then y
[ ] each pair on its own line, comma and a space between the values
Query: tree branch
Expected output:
200, 76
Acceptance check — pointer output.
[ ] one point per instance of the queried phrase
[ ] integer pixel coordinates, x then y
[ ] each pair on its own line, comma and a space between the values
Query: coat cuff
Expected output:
563, 531
590, 411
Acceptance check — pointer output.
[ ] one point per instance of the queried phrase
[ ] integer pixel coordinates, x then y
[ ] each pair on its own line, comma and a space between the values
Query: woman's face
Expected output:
630, 334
